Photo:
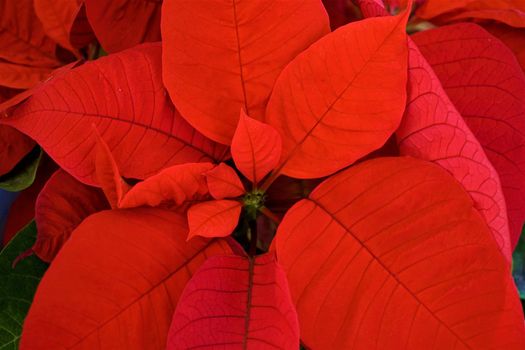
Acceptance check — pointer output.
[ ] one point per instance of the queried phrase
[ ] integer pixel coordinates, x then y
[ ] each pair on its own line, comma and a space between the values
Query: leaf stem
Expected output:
270, 215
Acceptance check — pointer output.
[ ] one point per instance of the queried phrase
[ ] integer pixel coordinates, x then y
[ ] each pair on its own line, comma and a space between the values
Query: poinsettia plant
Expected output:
238, 175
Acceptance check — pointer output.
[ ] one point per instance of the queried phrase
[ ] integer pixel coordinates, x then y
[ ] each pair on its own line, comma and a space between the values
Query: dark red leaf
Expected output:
235, 302
13, 147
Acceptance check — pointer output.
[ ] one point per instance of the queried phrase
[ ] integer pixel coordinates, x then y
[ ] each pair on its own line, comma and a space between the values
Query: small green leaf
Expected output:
23, 175
17, 286
518, 265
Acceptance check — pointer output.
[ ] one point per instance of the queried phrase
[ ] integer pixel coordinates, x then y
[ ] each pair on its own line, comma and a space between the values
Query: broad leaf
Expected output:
176, 184
433, 130
116, 283
221, 56
391, 254
256, 148
18, 76
342, 98
23, 174
122, 24
217, 218
236, 302
123, 96
511, 37
17, 286
223, 182
61, 206
487, 86
13, 147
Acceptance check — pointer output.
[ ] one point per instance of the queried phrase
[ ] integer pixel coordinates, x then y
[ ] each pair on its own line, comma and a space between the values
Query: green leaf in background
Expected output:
518, 267
17, 286
23, 175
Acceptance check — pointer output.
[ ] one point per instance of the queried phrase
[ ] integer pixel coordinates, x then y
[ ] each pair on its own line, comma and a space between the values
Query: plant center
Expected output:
253, 202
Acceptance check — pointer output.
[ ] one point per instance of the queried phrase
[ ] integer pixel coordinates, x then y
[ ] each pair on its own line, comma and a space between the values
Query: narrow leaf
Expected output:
17, 286
256, 148
342, 98
487, 86
116, 283
61, 206
123, 96
176, 184
216, 218
221, 56
236, 302
391, 254
223, 182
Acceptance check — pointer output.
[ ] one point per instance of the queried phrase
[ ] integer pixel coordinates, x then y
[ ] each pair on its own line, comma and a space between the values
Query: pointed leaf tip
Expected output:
223, 182
256, 148
216, 218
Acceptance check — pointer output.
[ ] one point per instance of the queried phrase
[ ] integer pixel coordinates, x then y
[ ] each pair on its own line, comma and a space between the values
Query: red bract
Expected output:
270, 182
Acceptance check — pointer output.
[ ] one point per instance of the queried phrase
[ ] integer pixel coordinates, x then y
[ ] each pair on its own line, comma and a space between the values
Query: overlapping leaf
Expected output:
121, 270
487, 86
433, 130
61, 206
17, 286
217, 218
223, 182
221, 56
122, 24
236, 302
13, 147
23, 174
342, 98
123, 96
378, 258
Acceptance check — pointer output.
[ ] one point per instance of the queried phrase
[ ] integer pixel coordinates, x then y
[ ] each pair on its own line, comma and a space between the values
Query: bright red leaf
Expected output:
433, 130
223, 182
122, 24
61, 206
13, 147
256, 148
391, 254
487, 86
121, 270
342, 98
221, 56
217, 218
176, 184
123, 96
236, 302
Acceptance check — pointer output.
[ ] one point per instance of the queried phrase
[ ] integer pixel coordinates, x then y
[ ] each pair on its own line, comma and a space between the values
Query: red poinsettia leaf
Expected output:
107, 173
511, 12
256, 148
23, 38
236, 302
220, 57
372, 8
18, 76
342, 98
61, 206
391, 254
513, 38
223, 182
487, 86
116, 283
122, 24
217, 218
123, 95
57, 18
433, 130
13, 147
341, 12
177, 184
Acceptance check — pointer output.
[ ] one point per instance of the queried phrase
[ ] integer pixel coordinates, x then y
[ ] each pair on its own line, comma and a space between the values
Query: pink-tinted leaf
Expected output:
123, 96
391, 254
487, 86
122, 24
433, 130
223, 182
235, 302
176, 184
221, 56
342, 98
217, 218
256, 148
116, 282
61, 206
